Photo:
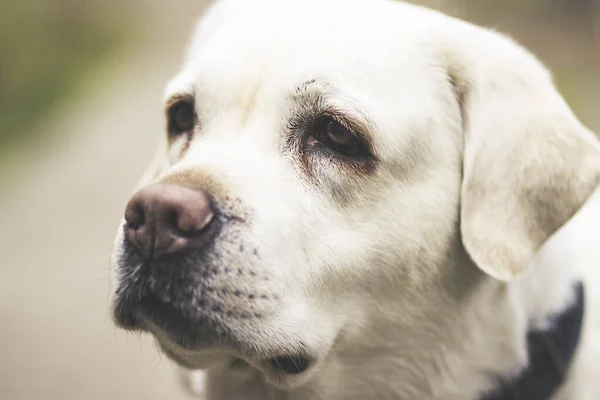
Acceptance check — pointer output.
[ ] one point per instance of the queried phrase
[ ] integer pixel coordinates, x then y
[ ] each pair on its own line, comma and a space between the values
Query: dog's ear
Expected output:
529, 164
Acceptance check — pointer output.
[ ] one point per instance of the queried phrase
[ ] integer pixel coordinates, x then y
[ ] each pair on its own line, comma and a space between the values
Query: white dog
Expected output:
350, 205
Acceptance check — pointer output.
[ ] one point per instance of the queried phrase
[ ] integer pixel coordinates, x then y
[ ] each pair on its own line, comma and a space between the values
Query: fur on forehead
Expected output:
237, 41
238, 63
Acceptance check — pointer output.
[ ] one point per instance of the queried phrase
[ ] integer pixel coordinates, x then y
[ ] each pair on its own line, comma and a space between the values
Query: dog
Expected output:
363, 199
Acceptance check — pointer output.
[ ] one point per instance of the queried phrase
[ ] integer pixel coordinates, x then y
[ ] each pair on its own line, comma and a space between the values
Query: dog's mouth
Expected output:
203, 342
286, 364
203, 317
289, 370
284, 371
291, 364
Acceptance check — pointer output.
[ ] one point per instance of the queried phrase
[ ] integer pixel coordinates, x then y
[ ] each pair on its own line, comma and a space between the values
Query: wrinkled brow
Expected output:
316, 98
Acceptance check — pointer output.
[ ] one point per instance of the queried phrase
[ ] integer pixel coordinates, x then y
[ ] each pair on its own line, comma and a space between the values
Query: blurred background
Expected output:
80, 114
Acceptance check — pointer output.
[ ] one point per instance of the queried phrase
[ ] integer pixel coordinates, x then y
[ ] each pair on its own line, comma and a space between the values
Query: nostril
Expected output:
134, 215
166, 218
174, 221
188, 225
192, 219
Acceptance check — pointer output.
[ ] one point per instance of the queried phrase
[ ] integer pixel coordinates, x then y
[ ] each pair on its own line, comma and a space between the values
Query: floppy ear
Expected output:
529, 164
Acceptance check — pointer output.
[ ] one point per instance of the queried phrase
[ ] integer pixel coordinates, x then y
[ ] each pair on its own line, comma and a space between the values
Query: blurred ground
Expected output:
65, 193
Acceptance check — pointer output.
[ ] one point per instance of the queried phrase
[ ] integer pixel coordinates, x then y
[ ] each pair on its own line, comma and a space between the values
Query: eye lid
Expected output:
349, 124
318, 97
176, 104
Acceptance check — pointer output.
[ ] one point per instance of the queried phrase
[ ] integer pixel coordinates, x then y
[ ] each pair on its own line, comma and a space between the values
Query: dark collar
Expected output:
550, 353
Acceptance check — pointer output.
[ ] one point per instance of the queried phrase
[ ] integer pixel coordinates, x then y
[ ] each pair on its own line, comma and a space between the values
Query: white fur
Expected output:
376, 268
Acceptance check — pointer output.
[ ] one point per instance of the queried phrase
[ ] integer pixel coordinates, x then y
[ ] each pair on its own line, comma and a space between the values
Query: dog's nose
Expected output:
166, 218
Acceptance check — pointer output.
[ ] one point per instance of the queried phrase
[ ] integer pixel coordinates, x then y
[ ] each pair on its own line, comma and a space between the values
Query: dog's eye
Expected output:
182, 118
338, 138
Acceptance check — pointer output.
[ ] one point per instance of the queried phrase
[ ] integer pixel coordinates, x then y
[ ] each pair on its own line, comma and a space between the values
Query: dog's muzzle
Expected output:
186, 275
167, 232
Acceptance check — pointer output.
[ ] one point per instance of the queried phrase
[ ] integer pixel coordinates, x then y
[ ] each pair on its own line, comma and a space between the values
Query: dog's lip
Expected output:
198, 348
194, 360
291, 370
286, 364
191, 340
286, 369
283, 369
292, 364
137, 317
126, 316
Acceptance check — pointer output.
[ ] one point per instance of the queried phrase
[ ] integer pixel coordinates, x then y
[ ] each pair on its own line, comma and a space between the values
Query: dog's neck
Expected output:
458, 352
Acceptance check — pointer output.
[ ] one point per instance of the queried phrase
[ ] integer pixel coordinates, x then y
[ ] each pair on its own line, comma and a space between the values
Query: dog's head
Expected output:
325, 159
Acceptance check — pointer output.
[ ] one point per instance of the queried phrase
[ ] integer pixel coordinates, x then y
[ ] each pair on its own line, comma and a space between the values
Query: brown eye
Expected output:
338, 138
182, 118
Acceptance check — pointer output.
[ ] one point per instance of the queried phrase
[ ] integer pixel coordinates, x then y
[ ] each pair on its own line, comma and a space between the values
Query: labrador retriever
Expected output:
350, 204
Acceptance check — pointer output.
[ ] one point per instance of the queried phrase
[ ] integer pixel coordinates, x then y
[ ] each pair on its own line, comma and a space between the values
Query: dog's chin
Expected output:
285, 371
195, 360
285, 357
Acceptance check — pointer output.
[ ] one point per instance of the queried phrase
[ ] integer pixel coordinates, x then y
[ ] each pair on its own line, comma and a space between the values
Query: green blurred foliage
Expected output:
46, 47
